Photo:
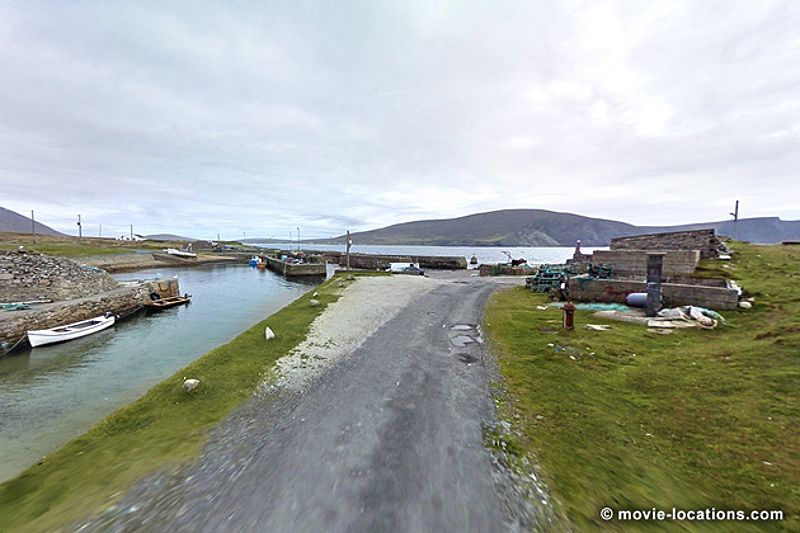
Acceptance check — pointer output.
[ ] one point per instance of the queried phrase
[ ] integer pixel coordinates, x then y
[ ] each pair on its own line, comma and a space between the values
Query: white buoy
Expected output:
269, 334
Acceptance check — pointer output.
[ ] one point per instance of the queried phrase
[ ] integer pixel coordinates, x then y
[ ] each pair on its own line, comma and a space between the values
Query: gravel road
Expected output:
389, 438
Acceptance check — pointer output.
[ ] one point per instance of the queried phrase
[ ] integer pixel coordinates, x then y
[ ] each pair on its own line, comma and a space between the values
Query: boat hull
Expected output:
166, 303
69, 332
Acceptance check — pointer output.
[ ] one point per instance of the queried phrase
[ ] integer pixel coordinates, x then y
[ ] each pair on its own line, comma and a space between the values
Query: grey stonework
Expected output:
31, 276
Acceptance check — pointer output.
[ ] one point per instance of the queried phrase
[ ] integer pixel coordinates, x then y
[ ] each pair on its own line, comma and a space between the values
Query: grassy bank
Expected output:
163, 428
66, 246
632, 419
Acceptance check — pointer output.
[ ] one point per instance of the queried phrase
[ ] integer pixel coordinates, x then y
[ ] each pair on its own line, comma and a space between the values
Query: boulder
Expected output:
191, 384
268, 333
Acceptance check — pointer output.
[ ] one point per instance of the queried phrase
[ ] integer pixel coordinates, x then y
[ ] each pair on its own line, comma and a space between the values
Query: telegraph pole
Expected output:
33, 227
735, 216
298, 238
100, 231
131, 231
80, 228
349, 244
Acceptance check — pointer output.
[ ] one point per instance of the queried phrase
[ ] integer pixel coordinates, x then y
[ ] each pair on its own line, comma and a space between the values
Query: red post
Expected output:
569, 316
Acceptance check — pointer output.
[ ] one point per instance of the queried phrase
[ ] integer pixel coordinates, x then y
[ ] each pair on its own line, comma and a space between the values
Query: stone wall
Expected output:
375, 262
127, 298
633, 263
586, 289
32, 276
704, 240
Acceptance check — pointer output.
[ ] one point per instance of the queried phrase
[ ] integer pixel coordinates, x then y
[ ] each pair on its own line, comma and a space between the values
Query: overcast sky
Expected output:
199, 118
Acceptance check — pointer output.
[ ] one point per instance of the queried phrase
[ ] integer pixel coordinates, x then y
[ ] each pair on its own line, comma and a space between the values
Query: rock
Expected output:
268, 333
350, 277
190, 384
313, 302
316, 293
745, 305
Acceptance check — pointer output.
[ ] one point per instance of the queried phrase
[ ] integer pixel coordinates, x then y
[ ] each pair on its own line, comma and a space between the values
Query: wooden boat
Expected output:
180, 253
166, 303
261, 266
75, 330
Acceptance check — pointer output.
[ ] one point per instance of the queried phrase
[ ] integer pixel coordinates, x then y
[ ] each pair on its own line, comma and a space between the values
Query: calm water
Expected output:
485, 254
53, 393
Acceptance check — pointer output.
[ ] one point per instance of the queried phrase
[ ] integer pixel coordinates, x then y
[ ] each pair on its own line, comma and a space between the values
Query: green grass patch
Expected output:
72, 250
632, 419
164, 428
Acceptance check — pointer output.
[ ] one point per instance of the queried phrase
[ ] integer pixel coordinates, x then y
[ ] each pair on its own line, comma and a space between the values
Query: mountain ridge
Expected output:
539, 227
13, 222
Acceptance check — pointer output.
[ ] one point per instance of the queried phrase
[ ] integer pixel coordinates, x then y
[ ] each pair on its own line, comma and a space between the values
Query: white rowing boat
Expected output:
76, 330
180, 253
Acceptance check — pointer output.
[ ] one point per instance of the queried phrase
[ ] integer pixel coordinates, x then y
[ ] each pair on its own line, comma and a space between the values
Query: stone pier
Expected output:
76, 292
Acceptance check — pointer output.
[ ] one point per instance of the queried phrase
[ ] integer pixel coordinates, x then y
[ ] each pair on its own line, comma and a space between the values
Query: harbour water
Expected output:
51, 394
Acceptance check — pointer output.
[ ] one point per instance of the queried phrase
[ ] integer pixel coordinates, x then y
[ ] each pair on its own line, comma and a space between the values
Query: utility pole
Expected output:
131, 231
298, 238
33, 227
349, 244
80, 228
218, 241
100, 231
735, 216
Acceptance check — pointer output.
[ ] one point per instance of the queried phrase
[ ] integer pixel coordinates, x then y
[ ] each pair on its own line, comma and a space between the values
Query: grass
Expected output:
631, 419
66, 246
164, 428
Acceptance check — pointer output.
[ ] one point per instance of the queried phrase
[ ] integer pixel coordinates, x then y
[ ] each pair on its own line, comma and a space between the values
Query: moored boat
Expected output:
72, 331
166, 303
180, 253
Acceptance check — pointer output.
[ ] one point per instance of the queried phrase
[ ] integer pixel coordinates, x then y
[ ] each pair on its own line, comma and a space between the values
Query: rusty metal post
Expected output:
655, 266
569, 316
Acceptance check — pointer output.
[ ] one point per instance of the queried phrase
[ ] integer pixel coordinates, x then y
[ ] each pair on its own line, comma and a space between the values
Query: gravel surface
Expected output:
390, 438
365, 306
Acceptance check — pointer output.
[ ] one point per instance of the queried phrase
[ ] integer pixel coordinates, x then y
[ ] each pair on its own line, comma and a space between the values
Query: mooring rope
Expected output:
5, 350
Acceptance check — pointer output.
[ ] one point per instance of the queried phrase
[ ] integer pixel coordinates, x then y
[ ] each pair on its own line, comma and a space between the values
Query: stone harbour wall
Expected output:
374, 262
31, 276
123, 300
704, 240
633, 263
586, 289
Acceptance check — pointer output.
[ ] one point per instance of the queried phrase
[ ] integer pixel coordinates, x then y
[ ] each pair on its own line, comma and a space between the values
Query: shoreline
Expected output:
130, 262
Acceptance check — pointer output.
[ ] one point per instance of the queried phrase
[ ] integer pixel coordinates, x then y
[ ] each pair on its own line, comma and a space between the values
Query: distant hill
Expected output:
12, 222
167, 237
538, 227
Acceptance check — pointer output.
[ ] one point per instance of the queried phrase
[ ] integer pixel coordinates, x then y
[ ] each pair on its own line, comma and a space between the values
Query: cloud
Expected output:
259, 117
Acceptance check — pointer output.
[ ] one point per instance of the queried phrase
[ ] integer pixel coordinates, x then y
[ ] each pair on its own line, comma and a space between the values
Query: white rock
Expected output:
268, 333
316, 293
191, 384
313, 303
745, 305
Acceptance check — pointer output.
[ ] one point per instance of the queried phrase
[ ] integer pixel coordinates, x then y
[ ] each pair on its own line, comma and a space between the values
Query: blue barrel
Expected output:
636, 299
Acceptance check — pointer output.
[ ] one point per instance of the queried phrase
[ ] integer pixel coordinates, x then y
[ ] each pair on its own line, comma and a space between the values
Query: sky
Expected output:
253, 119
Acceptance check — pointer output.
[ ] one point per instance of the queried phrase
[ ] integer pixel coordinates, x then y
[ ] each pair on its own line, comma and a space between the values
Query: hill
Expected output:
538, 227
11, 222
167, 237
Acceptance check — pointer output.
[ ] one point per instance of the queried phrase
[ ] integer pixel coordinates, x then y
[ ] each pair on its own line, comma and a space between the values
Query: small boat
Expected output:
166, 303
261, 266
75, 330
180, 253
473, 260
